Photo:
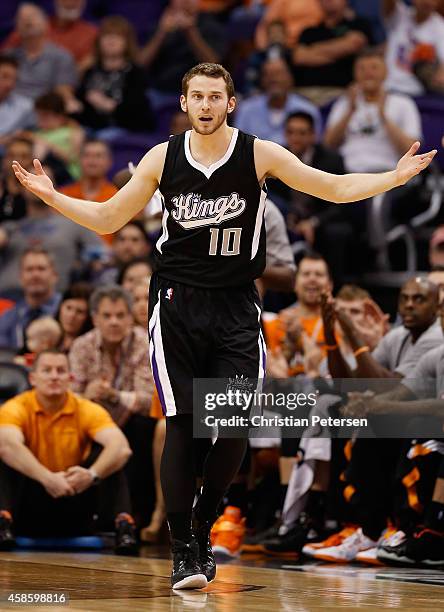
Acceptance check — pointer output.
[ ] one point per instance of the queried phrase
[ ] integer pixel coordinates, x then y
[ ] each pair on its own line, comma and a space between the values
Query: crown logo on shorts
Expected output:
239, 383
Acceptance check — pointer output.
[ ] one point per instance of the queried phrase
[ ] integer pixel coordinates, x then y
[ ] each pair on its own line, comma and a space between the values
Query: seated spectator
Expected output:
43, 66
95, 163
296, 16
133, 273
68, 243
323, 58
415, 46
130, 242
298, 330
15, 110
12, 199
183, 37
73, 314
41, 335
325, 228
112, 91
38, 279
57, 136
371, 128
264, 114
68, 30
110, 365
48, 487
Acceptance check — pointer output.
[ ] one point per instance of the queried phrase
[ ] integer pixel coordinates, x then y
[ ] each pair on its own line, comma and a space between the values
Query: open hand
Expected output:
39, 183
411, 164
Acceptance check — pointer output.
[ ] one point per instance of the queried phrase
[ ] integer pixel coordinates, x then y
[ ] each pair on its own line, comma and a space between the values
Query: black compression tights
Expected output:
178, 474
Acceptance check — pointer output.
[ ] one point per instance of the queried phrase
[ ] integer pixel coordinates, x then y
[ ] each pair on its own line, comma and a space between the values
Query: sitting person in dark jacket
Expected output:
326, 228
112, 91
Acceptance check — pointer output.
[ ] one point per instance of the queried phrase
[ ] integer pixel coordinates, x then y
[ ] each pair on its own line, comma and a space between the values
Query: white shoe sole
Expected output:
197, 581
221, 551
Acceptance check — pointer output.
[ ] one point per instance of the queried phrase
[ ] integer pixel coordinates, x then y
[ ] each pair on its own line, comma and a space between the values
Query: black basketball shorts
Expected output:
202, 333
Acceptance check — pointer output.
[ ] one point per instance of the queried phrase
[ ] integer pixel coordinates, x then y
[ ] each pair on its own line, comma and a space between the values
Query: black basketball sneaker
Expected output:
187, 572
207, 561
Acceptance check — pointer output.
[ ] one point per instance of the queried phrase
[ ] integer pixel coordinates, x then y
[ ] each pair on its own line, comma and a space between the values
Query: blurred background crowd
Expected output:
348, 86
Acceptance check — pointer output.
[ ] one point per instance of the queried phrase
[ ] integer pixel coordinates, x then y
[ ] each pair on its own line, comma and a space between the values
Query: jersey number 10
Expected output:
230, 241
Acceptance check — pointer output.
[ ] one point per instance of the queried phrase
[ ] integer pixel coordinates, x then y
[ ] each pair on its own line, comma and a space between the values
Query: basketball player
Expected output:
204, 309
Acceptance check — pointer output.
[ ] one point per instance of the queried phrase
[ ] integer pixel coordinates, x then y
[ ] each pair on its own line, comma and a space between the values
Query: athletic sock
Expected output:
180, 526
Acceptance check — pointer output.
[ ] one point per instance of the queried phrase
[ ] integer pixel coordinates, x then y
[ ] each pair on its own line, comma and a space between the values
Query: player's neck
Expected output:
209, 148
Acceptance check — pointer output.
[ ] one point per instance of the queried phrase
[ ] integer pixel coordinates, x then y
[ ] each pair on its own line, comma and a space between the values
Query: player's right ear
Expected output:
183, 103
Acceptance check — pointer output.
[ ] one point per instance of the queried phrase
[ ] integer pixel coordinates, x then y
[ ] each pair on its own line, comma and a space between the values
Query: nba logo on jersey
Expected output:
169, 293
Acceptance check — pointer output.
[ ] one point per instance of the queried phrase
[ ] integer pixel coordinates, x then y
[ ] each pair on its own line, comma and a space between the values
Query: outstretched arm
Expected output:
101, 217
273, 160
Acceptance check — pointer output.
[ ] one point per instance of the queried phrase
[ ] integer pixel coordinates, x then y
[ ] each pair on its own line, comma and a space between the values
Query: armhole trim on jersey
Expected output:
164, 236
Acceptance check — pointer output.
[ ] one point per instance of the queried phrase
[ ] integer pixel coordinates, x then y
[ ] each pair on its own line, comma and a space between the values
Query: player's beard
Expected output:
213, 127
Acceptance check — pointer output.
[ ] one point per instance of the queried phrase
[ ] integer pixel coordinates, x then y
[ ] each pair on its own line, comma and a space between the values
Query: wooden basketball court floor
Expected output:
253, 584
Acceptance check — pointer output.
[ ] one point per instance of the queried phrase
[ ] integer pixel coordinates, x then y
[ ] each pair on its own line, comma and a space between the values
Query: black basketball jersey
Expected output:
213, 231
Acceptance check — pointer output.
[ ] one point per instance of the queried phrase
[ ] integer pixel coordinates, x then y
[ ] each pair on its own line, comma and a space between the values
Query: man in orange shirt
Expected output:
50, 467
298, 331
95, 162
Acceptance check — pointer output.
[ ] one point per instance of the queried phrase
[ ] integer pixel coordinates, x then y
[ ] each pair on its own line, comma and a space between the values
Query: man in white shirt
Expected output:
370, 127
408, 28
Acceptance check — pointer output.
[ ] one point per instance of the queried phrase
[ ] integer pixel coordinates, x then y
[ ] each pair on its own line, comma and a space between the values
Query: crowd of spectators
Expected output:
317, 78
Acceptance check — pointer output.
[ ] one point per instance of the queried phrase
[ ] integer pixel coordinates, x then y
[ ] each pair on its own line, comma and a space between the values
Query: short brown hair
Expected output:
349, 293
37, 250
51, 351
313, 256
370, 52
214, 71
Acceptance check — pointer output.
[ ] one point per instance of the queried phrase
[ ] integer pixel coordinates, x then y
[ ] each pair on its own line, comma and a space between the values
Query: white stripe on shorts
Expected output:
158, 363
